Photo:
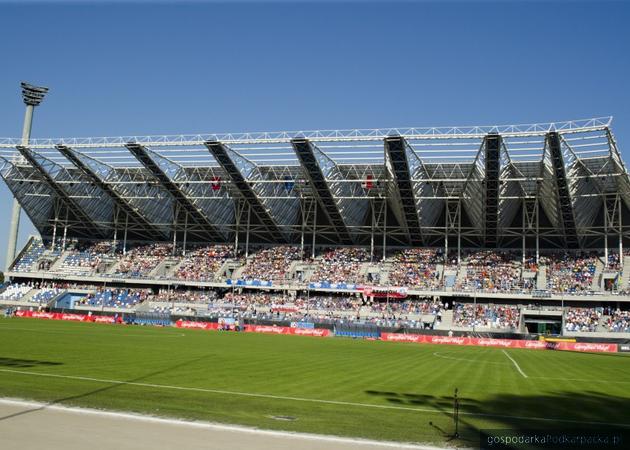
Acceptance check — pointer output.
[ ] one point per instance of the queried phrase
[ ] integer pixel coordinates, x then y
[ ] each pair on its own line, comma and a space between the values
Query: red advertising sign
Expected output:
318, 332
197, 325
499, 343
66, 316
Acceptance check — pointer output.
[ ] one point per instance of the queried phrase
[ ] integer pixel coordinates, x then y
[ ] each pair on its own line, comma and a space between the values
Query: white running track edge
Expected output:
213, 426
515, 364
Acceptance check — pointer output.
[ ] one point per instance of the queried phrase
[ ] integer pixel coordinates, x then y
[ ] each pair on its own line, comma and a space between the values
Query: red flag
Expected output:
216, 183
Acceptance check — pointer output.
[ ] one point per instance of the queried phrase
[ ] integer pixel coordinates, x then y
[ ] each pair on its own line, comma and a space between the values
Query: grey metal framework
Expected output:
91, 168
185, 209
76, 204
403, 164
551, 185
492, 148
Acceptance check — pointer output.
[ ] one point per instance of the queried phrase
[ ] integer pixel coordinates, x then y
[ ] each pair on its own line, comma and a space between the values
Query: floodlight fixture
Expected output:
31, 94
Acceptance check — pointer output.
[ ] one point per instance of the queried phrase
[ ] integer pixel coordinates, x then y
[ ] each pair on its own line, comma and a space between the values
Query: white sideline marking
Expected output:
515, 364
439, 355
215, 426
300, 399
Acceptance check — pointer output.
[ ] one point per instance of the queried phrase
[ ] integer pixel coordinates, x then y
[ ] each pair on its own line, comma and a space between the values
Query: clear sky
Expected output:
147, 68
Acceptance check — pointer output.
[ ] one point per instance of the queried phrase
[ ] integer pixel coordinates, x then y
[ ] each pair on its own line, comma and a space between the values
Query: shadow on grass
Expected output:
104, 389
559, 411
23, 363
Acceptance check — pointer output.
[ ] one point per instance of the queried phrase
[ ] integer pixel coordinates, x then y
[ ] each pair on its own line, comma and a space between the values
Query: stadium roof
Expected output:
489, 185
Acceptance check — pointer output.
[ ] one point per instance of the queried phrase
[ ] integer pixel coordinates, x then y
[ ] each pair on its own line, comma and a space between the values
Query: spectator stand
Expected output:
203, 263
341, 268
270, 266
486, 316
27, 258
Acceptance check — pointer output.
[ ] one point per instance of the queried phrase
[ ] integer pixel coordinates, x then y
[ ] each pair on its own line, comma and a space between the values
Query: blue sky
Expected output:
148, 68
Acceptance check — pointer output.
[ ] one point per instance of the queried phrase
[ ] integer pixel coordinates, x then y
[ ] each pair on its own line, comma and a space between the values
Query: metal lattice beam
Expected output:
180, 198
396, 160
377, 134
492, 146
305, 153
33, 194
218, 150
122, 203
71, 204
564, 197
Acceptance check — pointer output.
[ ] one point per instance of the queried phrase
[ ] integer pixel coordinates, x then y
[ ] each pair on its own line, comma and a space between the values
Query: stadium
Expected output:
399, 284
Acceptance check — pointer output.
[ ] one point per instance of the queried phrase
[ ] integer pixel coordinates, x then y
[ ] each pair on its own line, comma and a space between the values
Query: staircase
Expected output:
165, 268
29, 295
461, 274
601, 328
596, 284
237, 274
363, 270
447, 321
541, 279
384, 273
59, 262
439, 269
625, 274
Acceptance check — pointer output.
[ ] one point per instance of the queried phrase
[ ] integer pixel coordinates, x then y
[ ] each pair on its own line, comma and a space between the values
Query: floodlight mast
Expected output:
32, 97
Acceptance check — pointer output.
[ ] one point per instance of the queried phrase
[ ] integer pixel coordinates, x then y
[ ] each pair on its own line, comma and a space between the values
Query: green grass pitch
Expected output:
370, 389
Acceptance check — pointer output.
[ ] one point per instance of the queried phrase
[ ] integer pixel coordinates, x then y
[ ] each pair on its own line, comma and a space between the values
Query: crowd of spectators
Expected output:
328, 303
185, 302
183, 296
272, 263
165, 308
582, 319
203, 263
614, 262
330, 309
408, 307
503, 317
257, 299
530, 263
619, 322
114, 298
493, 271
570, 273
85, 260
140, 261
416, 268
340, 265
